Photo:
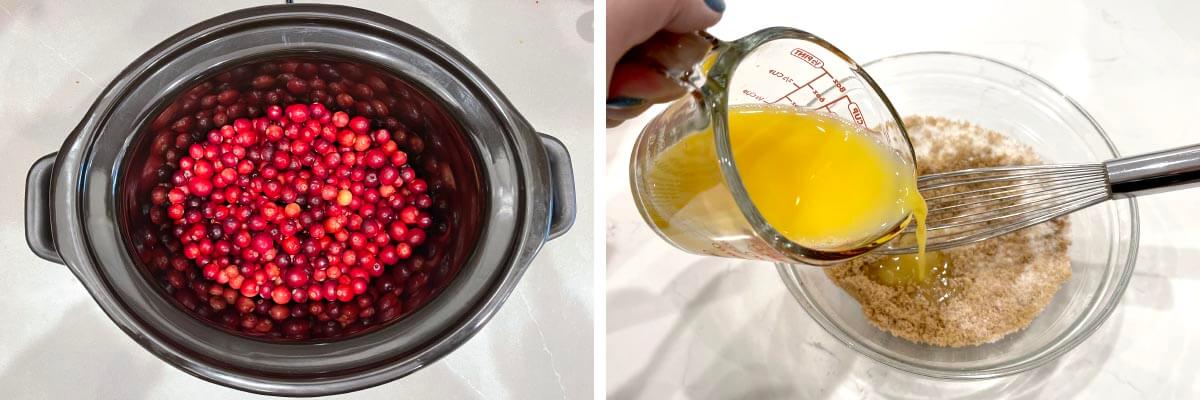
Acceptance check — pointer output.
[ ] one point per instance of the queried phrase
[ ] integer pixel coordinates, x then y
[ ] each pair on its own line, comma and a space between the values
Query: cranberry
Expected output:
291, 245
403, 251
281, 295
359, 125
400, 158
418, 185
359, 286
315, 293
200, 186
362, 143
296, 277
373, 159
409, 215
381, 137
274, 112
297, 113
297, 328
249, 288
388, 256
344, 293
407, 174
266, 205
318, 111
202, 169
388, 175
299, 295
416, 237
292, 210
176, 196
340, 119
344, 197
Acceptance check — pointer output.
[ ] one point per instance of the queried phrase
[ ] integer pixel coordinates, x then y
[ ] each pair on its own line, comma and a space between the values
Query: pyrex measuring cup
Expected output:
702, 206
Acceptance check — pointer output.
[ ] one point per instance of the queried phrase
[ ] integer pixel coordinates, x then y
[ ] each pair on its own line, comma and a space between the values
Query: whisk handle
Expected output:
1155, 172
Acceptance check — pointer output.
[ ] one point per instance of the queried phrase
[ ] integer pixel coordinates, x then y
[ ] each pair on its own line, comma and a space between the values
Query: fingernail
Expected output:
716, 5
623, 102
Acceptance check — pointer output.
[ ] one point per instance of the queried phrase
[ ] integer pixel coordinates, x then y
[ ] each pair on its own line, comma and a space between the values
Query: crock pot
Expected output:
513, 192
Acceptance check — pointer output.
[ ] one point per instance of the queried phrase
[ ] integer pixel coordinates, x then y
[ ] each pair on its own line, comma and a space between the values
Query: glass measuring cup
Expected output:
702, 206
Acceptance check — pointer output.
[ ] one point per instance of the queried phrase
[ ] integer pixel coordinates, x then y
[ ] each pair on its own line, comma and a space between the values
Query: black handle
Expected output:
562, 180
39, 225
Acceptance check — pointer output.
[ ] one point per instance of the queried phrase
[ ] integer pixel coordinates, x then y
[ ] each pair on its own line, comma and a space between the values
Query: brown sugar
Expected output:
998, 286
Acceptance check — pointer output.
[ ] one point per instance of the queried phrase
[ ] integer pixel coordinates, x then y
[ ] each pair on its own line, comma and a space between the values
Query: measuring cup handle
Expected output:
691, 78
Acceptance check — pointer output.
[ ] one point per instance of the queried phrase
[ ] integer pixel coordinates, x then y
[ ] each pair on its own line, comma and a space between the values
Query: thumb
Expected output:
631, 22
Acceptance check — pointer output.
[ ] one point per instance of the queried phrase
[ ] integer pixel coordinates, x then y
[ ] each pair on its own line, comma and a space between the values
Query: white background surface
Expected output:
55, 343
681, 326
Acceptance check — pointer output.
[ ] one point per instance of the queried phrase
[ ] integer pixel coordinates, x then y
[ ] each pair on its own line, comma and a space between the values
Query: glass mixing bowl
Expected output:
1104, 238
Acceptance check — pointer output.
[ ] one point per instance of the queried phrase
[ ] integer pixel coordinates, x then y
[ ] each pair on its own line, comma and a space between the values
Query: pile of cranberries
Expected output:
298, 223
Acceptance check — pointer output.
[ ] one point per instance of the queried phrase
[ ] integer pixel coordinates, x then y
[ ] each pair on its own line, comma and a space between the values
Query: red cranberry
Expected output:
359, 286
418, 185
281, 295
176, 196
409, 215
297, 113
340, 119
362, 143
344, 293
400, 158
291, 245
274, 112
416, 237
202, 169
318, 111
375, 159
316, 211
297, 328
312, 292
249, 289
299, 295
199, 186
359, 125
381, 136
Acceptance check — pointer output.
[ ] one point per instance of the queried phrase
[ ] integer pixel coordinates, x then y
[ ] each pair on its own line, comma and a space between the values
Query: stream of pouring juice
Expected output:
818, 180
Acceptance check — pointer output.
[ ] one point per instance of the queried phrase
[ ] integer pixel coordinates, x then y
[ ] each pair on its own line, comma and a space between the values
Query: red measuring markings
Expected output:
856, 113
808, 57
851, 107
817, 94
798, 87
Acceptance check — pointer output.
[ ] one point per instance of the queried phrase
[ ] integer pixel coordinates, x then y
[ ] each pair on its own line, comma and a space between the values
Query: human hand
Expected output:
649, 41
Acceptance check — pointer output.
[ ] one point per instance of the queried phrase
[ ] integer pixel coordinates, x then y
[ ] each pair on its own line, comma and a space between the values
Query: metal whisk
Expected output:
972, 205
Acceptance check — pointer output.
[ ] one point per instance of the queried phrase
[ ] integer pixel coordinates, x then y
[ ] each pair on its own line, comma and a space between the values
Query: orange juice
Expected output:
820, 181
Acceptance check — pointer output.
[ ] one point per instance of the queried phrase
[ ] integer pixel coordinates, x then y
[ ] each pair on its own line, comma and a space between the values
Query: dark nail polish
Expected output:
716, 5
624, 102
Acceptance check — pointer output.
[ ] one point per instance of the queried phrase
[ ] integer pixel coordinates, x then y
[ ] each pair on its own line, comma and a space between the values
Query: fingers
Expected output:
643, 83
663, 32
651, 73
693, 17
674, 52
631, 22
617, 115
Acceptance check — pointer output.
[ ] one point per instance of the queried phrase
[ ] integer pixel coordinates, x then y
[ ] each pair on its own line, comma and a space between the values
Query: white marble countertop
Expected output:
681, 326
55, 57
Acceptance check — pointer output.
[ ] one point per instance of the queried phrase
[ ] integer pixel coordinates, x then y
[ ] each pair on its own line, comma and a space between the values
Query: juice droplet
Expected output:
920, 210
